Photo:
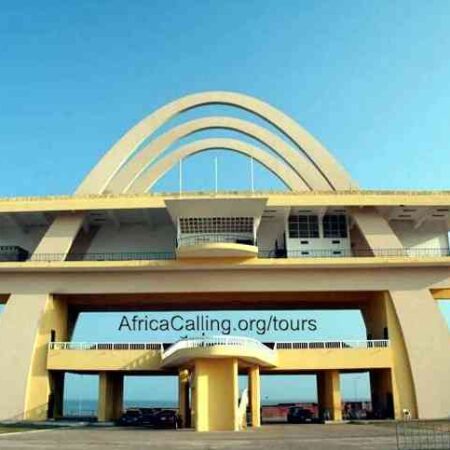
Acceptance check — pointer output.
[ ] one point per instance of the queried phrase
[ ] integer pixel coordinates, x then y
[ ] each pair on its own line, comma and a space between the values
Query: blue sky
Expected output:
370, 79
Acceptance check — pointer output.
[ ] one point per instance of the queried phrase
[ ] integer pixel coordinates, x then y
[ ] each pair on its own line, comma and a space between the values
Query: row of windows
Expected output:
307, 226
193, 225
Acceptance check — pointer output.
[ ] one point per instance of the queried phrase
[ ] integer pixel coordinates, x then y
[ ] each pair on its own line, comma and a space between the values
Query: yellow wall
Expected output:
99, 360
358, 358
25, 329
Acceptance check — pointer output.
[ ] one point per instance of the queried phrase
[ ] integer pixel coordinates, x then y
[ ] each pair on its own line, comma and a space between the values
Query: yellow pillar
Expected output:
329, 393
254, 390
110, 399
215, 394
26, 326
183, 398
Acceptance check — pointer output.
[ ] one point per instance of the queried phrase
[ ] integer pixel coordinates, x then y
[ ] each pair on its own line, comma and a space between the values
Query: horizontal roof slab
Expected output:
338, 198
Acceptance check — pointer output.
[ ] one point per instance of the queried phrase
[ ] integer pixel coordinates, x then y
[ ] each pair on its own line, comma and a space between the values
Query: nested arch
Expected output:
162, 166
116, 157
136, 167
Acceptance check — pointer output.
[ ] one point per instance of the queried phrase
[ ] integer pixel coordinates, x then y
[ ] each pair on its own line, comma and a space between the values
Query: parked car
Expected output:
150, 417
131, 417
296, 414
166, 419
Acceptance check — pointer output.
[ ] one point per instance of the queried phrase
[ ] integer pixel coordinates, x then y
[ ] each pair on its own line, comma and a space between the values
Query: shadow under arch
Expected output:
160, 168
97, 180
147, 155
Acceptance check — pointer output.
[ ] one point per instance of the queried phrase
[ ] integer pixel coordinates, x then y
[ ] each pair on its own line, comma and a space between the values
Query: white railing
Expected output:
105, 346
220, 341
343, 344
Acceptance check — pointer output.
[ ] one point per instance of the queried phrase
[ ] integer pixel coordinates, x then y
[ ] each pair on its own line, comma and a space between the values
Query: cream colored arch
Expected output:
116, 157
146, 156
281, 170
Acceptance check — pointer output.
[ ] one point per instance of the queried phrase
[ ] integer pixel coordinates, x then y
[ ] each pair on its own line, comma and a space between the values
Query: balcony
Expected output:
275, 356
249, 350
217, 245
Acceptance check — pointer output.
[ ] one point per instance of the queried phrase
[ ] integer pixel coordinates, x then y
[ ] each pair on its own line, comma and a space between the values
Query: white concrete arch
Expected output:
162, 166
116, 157
147, 155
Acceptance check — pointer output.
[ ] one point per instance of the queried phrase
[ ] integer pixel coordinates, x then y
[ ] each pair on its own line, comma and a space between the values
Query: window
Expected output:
303, 226
334, 226
194, 225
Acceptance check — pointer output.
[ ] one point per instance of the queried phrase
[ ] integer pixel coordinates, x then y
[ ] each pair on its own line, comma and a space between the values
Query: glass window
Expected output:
334, 226
303, 226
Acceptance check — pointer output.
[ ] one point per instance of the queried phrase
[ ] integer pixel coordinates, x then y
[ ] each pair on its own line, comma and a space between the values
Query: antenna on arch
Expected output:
180, 176
252, 174
216, 174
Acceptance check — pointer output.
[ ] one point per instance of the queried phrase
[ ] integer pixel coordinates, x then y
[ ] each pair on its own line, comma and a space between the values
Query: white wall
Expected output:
269, 231
28, 239
431, 234
134, 238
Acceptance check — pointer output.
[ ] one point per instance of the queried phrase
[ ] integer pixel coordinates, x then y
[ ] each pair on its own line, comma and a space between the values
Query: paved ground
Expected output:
273, 437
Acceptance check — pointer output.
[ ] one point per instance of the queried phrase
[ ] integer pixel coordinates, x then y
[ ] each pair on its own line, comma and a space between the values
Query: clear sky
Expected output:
370, 79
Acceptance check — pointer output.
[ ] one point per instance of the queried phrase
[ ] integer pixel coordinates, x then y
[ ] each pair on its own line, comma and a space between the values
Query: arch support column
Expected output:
25, 329
420, 348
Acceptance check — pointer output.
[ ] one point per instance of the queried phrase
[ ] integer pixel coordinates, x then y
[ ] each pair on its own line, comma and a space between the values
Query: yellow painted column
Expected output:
183, 397
254, 390
25, 330
110, 398
216, 394
329, 393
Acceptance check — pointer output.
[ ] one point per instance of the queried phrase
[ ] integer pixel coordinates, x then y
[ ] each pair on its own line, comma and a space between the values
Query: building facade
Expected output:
324, 244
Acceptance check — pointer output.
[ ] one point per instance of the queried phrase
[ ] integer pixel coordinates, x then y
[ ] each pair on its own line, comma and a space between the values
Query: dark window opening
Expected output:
334, 226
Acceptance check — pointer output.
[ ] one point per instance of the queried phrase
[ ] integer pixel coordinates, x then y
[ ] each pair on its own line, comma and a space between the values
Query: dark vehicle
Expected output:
131, 417
297, 414
150, 417
138, 417
166, 419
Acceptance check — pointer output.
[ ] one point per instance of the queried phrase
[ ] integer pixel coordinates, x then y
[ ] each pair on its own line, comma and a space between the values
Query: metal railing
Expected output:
103, 256
195, 240
213, 238
423, 434
220, 341
342, 344
356, 252
105, 346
